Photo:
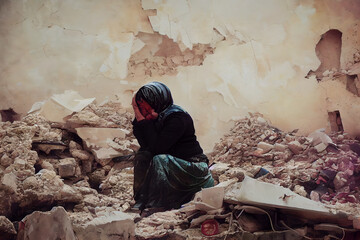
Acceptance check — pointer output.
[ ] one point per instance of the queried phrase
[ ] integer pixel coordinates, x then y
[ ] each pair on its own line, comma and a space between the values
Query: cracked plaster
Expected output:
262, 51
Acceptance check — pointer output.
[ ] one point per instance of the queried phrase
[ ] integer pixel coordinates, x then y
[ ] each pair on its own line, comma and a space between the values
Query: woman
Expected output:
170, 166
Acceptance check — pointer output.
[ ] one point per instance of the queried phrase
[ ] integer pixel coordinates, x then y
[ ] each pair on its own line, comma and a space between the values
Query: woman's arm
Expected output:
163, 140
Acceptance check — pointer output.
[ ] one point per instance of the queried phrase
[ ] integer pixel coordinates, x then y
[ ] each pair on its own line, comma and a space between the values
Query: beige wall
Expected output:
229, 57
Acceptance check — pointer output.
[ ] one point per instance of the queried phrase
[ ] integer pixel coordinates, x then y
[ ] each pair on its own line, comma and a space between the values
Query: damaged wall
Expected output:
231, 56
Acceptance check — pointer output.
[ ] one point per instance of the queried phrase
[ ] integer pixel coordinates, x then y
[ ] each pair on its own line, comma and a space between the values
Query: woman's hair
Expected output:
156, 94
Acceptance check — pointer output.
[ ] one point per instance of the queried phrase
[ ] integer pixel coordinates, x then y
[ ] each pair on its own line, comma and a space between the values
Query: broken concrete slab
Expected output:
319, 136
98, 137
253, 192
111, 224
320, 147
54, 112
54, 224
72, 100
61, 105
100, 142
47, 147
209, 199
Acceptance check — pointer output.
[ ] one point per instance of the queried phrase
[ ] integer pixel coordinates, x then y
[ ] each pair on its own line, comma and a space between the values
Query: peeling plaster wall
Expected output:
221, 59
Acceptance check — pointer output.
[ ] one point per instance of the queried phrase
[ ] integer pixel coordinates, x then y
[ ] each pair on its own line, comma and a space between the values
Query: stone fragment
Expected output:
7, 229
10, 182
261, 120
340, 180
69, 194
319, 136
86, 167
219, 169
31, 183
47, 165
289, 138
6, 161
61, 105
300, 190
280, 147
320, 147
236, 173
266, 147
315, 196
81, 155
54, 224
105, 227
67, 167
97, 137
104, 155
295, 147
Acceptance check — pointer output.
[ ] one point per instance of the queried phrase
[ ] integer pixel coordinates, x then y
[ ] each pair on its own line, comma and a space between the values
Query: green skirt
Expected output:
166, 181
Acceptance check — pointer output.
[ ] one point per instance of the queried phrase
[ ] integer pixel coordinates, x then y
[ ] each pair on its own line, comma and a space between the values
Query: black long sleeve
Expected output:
176, 136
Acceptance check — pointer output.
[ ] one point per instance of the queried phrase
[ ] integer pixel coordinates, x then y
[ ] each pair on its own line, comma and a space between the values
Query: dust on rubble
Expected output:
327, 174
45, 164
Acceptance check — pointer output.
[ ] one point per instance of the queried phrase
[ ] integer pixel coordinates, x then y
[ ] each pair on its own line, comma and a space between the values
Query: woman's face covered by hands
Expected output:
146, 110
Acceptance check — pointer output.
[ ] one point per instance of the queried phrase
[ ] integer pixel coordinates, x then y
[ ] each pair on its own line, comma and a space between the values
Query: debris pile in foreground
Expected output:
64, 174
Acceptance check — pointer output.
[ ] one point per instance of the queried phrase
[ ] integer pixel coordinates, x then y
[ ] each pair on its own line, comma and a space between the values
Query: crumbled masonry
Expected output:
46, 164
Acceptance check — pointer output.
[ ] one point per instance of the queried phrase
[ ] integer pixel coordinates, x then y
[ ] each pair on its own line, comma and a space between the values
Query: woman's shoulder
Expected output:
179, 116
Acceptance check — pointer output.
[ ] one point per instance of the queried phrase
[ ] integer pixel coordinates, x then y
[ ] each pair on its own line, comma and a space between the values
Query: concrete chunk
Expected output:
67, 167
280, 147
99, 136
266, 147
320, 147
47, 225
61, 105
108, 226
295, 147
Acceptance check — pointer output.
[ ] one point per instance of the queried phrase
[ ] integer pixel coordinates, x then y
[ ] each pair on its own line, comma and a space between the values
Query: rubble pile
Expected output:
81, 170
320, 167
45, 164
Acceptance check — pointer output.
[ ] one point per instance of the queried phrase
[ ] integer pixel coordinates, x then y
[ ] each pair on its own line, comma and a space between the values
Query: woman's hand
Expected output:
139, 117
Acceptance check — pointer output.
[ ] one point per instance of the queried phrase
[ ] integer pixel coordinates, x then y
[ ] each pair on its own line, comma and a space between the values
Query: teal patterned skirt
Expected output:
166, 181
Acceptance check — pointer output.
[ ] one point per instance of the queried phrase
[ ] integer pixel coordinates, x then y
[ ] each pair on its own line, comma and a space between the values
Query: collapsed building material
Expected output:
37, 180
47, 225
273, 196
62, 105
270, 195
326, 174
110, 225
101, 142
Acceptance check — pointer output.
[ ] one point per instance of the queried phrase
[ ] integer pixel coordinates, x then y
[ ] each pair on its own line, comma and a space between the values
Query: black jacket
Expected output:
174, 136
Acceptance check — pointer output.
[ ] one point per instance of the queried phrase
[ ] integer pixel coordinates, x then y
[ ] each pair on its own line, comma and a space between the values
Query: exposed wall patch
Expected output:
335, 121
328, 50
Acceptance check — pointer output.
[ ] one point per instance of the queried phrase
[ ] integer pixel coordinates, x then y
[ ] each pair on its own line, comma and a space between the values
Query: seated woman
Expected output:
170, 166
